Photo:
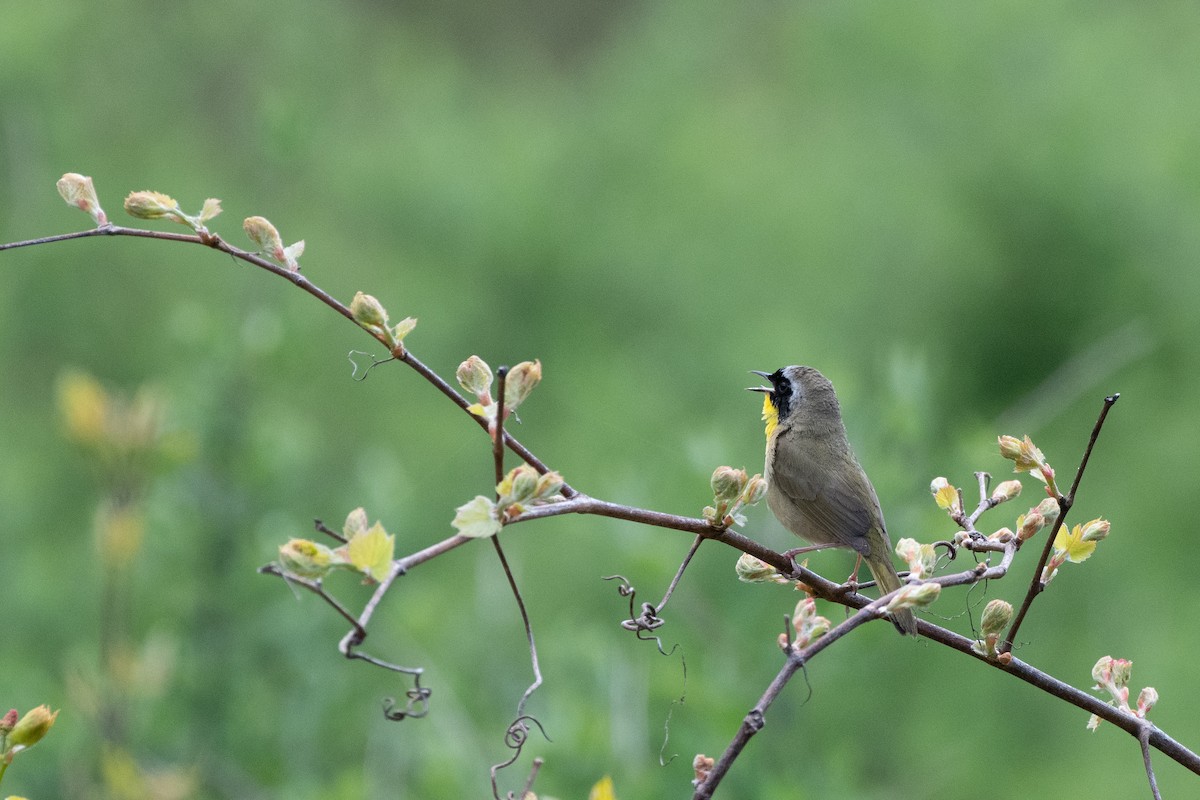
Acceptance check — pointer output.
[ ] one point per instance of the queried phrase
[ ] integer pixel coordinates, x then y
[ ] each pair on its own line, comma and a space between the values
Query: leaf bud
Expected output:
152, 205
1029, 524
78, 191
1146, 700
1006, 491
756, 490
1048, 508
752, 570
475, 376
8, 722
1002, 535
264, 234
1010, 447
727, 483
921, 558
524, 481
548, 486
520, 382
914, 595
996, 616
307, 559
368, 312
33, 727
356, 522
1095, 530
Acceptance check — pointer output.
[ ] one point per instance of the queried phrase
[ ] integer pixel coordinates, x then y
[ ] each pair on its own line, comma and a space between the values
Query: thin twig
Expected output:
1144, 740
313, 586
756, 718
679, 574
215, 242
498, 435
1036, 586
518, 730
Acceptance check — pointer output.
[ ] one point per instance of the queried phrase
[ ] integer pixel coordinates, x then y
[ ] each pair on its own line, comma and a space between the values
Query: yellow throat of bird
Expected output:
770, 415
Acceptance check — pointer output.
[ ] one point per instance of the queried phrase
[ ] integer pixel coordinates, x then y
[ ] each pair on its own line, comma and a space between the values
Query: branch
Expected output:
1036, 586
756, 718
215, 242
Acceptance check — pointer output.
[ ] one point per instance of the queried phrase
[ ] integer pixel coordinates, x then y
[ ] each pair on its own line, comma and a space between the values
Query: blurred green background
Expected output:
976, 219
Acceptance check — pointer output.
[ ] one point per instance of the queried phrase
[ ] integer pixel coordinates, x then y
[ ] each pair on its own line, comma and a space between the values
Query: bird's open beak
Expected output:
764, 389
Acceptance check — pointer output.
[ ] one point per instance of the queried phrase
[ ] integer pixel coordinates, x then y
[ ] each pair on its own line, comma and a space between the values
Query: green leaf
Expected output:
1073, 545
477, 519
371, 552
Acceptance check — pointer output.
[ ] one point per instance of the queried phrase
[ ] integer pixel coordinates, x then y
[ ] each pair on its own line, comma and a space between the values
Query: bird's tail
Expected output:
888, 581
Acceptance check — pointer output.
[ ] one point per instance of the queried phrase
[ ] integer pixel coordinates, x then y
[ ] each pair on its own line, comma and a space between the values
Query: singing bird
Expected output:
816, 487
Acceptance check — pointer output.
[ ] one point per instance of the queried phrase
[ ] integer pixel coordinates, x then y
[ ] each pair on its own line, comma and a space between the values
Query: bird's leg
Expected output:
812, 548
852, 582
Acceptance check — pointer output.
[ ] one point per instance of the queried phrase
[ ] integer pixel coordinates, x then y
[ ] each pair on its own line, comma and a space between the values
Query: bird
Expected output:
815, 485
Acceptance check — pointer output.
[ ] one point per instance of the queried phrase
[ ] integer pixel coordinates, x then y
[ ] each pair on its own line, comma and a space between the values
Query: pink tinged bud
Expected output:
1029, 524
1146, 700
520, 382
921, 558
1006, 491
33, 726
475, 376
1002, 535
1102, 670
8, 721
702, 765
263, 233
1095, 530
78, 191
756, 490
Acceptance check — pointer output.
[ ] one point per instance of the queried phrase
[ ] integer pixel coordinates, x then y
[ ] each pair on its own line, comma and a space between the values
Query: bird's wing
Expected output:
831, 502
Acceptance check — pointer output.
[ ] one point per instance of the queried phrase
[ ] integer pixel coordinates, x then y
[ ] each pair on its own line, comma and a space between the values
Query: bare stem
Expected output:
756, 718
1143, 737
1036, 586
687, 559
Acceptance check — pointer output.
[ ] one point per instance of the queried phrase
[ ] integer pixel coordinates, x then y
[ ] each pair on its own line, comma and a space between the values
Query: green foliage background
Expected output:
976, 219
